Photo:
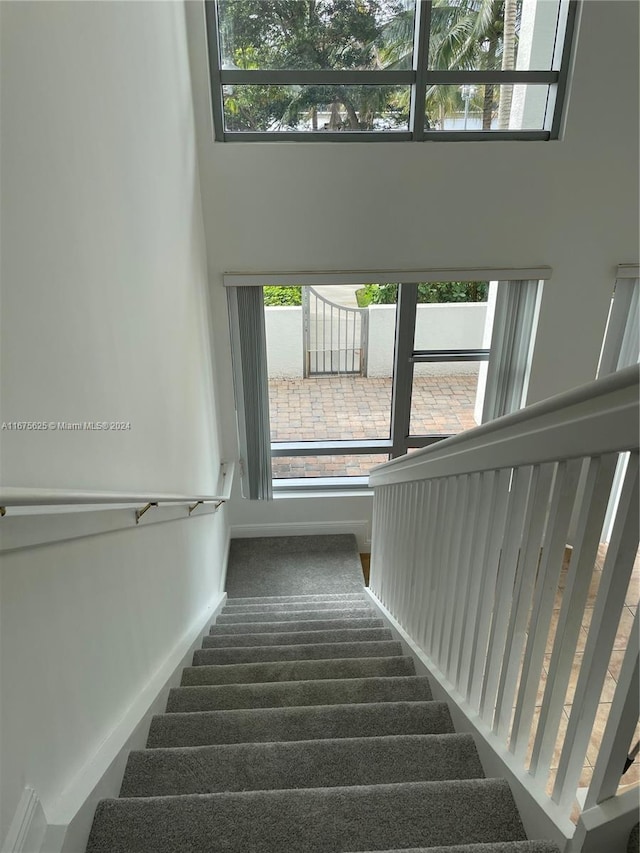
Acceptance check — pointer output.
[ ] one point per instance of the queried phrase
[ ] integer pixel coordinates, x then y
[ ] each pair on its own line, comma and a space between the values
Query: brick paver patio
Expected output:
331, 408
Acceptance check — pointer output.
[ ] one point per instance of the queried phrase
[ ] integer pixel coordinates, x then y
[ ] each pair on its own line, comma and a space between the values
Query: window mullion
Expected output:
453, 78
420, 59
211, 17
403, 367
567, 50
316, 77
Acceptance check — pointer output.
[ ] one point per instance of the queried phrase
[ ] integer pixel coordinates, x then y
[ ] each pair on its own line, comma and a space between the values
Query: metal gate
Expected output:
335, 336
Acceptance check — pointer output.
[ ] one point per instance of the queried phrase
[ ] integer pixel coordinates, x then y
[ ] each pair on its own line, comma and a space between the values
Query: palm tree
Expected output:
508, 60
474, 35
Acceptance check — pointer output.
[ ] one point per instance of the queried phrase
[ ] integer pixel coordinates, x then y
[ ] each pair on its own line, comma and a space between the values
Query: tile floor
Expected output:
330, 408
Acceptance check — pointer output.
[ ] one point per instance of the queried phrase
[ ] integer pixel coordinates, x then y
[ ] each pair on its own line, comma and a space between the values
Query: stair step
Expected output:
295, 615
259, 725
293, 607
288, 638
283, 694
313, 651
492, 847
284, 599
296, 625
300, 764
315, 820
297, 670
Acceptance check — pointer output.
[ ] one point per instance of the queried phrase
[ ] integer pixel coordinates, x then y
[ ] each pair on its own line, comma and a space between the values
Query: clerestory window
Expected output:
388, 70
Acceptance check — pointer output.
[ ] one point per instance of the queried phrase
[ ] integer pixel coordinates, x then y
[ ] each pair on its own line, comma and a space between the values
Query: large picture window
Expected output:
333, 379
405, 70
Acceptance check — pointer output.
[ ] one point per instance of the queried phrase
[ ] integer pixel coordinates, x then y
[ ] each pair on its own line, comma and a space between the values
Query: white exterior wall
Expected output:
446, 326
104, 317
285, 350
438, 326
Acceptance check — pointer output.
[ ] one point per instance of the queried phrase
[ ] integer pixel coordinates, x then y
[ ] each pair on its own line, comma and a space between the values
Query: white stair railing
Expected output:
469, 556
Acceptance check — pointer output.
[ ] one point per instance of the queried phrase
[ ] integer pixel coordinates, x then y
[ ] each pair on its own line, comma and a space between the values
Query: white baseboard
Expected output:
540, 816
358, 527
68, 820
28, 826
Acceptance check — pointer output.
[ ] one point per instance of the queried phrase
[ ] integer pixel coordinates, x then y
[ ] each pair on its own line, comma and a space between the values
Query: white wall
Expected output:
104, 303
104, 317
445, 326
285, 347
85, 625
571, 204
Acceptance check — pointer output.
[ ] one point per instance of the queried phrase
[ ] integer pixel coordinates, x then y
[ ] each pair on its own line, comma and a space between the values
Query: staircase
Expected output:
302, 728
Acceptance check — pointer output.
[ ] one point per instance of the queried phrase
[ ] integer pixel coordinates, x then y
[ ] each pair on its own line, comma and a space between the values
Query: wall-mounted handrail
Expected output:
27, 497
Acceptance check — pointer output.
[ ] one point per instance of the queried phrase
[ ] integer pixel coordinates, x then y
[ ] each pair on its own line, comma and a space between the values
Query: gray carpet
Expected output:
285, 694
294, 565
301, 727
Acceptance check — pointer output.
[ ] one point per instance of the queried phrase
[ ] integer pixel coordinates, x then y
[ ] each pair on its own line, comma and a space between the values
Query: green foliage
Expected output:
471, 35
365, 296
282, 295
308, 35
453, 291
387, 294
478, 35
441, 291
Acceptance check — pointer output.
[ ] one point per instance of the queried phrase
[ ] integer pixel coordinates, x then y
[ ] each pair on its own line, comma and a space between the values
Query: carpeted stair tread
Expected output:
260, 725
301, 727
294, 565
284, 599
297, 670
301, 764
316, 820
292, 607
284, 694
310, 615
493, 847
288, 638
311, 651
296, 625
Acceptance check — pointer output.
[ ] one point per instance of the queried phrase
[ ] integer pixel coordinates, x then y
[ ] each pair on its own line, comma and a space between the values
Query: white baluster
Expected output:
431, 560
496, 652
594, 504
417, 507
623, 718
480, 539
462, 588
426, 525
560, 510
525, 577
488, 590
446, 530
449, 600
612, 591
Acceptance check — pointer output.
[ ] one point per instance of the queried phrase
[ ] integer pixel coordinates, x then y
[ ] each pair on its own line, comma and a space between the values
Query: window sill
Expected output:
322, 487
